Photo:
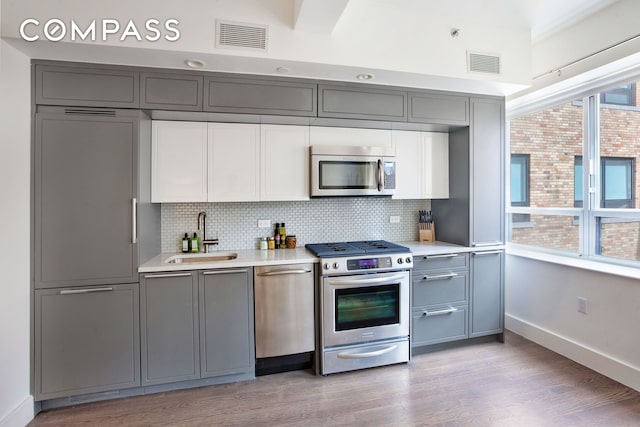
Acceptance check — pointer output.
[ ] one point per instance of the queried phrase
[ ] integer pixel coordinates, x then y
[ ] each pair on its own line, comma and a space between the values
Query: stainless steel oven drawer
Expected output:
350, 358
437, 262
442, 324
437, 288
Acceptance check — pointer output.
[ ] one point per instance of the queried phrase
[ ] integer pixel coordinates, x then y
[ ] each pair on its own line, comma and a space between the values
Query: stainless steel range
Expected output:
363, 305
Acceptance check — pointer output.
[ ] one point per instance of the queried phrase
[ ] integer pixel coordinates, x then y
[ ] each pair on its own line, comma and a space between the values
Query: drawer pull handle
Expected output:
345, 355
439, 312
486, 253
211, 273
440, 256
440, 276
163, 276
84, 291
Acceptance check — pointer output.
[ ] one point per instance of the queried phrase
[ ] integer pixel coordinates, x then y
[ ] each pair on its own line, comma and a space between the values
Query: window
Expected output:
520, 185
622, 95
616, 182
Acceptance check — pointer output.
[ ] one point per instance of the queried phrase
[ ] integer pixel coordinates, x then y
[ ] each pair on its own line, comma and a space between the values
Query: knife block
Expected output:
427, 235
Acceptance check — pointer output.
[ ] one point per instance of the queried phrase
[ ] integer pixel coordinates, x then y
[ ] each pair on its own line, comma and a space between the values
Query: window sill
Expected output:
574, 261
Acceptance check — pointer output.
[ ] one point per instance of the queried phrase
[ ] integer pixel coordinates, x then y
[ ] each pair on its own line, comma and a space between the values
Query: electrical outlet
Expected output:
264, 223
582, 305
394, 219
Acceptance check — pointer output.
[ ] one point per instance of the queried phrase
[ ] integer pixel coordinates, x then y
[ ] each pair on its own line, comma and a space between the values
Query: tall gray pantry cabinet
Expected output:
89, 194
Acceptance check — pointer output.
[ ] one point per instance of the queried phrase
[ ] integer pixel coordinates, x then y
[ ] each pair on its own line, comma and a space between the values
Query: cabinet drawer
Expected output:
437, 262
362, 103
432, 326
439, 109
86, 87
440, 288
171, 91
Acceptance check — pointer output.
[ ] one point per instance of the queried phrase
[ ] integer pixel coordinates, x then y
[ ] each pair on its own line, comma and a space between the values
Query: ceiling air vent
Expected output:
483, 63
240, 35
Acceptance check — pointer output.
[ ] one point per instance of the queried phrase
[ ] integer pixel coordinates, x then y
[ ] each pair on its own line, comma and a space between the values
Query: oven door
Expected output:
352, 176
365, 307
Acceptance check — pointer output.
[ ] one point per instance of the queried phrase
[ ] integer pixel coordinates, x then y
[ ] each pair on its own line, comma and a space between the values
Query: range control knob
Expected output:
408, 260
336, 265
400, 260
326, 266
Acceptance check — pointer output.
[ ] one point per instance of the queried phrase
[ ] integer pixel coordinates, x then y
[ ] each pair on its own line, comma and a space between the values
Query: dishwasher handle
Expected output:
284, 272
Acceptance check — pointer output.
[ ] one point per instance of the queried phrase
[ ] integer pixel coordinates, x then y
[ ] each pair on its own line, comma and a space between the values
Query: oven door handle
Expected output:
380, 352
373, 281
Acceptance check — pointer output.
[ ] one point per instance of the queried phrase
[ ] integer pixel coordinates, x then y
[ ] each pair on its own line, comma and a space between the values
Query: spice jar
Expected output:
271, 243
291, 241
263, 243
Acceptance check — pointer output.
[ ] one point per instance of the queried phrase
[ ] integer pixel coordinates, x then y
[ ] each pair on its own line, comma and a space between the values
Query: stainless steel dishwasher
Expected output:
284, 317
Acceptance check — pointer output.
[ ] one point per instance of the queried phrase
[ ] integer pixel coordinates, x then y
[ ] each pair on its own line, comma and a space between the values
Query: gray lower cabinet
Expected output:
362, 102
440, 299
169, 325
260, 96
425, 107
226, 322
86, 86
86, 340
171, 91
487, 293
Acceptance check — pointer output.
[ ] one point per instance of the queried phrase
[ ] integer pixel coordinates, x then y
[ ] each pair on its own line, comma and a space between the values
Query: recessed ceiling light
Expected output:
365, 76
195, 63
282, 70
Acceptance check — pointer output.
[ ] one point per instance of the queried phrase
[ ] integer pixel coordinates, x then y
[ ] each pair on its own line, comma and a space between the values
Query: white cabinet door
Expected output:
410, 164
179, 161
350, 136
234, 162
284, 162
436, 159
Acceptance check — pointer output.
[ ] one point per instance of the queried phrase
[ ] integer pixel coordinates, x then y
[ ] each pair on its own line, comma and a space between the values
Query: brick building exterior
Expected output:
553, 141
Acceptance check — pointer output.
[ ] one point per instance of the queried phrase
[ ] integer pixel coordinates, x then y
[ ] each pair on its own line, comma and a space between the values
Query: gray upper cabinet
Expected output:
166, 91
169, 327
358, 102
85, 198
487, 293
86, 340
259, 96
82, 86
438, 108
226, 322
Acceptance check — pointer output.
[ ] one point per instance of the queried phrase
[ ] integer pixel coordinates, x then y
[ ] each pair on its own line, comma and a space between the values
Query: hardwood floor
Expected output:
514, 384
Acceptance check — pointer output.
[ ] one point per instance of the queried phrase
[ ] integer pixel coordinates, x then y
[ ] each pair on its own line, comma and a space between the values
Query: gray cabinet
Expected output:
425, 107
474, 213
260, 96
440, 299
169, 327
86, 197
226, 322
86, 340
487, 293
362, 102
85, 86
167, 91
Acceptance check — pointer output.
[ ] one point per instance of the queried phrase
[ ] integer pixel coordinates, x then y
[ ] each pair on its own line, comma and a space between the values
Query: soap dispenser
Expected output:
185, 243
195, 247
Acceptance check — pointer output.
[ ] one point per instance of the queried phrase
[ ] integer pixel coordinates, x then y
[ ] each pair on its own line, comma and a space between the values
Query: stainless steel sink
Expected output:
219, 256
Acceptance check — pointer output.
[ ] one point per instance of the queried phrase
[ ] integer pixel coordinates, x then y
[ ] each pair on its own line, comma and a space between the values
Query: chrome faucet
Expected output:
202, 219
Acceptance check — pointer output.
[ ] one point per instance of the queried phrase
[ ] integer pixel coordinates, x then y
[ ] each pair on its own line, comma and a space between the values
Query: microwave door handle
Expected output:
380, 176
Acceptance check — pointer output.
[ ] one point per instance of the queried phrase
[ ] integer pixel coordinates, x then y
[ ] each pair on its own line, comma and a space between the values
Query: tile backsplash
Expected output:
313, 221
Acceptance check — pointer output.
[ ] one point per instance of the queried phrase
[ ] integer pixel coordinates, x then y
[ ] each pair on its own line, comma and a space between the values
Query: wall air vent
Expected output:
483, 63
240, 35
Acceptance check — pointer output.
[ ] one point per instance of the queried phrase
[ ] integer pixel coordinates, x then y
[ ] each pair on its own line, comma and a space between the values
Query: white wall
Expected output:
16, 403
542, 305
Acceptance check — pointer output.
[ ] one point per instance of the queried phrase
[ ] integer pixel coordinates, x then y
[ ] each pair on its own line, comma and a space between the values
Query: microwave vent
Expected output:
239, 35
483, 63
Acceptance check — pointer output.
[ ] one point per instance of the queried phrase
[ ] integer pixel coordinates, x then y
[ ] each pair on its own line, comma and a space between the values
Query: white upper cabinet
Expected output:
234, 162
284, 162
350, 136
422, 165
179, 162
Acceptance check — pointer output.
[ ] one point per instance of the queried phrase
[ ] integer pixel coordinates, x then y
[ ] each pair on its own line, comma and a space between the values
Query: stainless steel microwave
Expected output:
352, 171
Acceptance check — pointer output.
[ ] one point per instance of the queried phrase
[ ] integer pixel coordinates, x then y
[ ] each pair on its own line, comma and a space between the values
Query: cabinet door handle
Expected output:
162, 276
84, 291
440, 276
486, 253
439, 312
134, 220
283, 272
480, 244
440, 256
210, 273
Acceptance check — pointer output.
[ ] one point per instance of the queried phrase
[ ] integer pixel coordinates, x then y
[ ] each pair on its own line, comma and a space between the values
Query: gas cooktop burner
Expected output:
341, 249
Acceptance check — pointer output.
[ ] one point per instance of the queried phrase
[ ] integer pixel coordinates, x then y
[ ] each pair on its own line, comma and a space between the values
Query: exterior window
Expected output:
622, 95
520, 185
616, 182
